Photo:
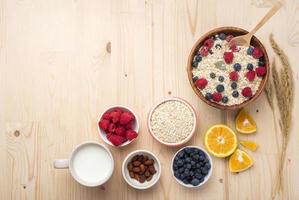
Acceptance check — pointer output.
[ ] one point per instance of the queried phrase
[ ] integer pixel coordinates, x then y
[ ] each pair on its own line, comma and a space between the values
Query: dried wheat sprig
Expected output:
269, 92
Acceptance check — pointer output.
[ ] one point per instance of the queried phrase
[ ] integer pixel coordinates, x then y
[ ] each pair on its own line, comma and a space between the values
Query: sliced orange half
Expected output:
220, 140
245, 123
239, 161
249, 145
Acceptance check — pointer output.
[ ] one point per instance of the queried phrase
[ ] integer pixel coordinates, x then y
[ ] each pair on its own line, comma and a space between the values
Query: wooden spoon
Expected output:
244, 40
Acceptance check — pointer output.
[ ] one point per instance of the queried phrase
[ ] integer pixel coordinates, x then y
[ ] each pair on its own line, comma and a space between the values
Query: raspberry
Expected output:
121, 131
216, 96
260, 71
247, 92
115, 115
234, 76
257, 53
125, 118
201, 83
111, 128
234, 48
204, 51
209, 43
130, 134
109, 135
228, 57
116, 140
229, 37
129, 125
106, 115
104, 124
250, 75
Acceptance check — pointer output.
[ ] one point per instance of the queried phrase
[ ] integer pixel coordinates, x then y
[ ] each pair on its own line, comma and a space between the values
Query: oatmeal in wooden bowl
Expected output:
227, 77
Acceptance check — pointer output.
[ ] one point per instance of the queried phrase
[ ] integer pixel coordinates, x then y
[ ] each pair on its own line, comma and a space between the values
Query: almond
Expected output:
149, 178
135, 158
142, 178
140, 158
142, 168
130, 167
132, 175
149, 162
152, 169
136, 169
136, 163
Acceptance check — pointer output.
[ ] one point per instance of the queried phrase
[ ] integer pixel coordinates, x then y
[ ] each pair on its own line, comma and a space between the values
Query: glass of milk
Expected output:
90, 163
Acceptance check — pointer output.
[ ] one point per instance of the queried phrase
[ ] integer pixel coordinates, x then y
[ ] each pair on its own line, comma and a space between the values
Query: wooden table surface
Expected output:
56, 76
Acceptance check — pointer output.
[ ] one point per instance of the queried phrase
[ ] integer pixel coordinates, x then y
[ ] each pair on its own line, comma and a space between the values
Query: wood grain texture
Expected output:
56, 76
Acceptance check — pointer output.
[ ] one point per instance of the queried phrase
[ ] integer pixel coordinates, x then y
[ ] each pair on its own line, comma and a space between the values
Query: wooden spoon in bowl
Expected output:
244, 40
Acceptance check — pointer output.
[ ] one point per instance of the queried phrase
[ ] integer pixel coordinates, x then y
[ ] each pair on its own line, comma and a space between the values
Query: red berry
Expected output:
116, 139
121, 131
260, 71
209, 43
234, 48
201, 83
106, 115
126, 118
109, 135
257, 53
104, 124
216, 96
250, 75
115, 115
129, 125
234, 76
229, 37
130, 134
111, 128
204, 51
228, 57
247, 92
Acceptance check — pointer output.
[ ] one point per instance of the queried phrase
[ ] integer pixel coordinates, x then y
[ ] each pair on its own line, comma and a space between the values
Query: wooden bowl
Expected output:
234, 31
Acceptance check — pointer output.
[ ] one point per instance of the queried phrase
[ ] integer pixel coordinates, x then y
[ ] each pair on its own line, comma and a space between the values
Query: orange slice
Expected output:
245, 123
239, 161
252, 146
220, 140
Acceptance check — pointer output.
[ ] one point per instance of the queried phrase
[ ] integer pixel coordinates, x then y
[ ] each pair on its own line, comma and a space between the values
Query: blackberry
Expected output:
208, 96
224, 99
218, 46
250, 66
222, 36
194, 64
249, 50
234, 85
235, 94
198, 58
237, 67
220, 88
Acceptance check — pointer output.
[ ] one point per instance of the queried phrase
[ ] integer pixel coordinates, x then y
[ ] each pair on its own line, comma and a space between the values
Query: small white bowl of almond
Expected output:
172, 122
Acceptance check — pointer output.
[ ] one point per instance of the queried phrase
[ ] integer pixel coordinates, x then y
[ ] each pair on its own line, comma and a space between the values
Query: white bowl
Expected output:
176, 143
135, 124
207, 177
134, 183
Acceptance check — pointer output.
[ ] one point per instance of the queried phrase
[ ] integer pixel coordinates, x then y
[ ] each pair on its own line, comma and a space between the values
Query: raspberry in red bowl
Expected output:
118, 126
227, 77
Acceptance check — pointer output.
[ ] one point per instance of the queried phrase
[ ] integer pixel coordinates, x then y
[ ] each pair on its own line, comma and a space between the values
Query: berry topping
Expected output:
221, 78
260, 71
261, 61
104, 124
194, 78
228, 57
212, 75
234, 48
106, 115
121, 131
126, 118
234, 76
250, 75
115, 115
201, 83
250, 66
208, 96
224, 99
130, 134
235, 93
209, 43
116, 139
247, 92
220, 88
229, 37
234, 85
217, 96
198, 58
257, 53
204, 51
237, 67
249, 50
222, 36
111, 128
194, 64
218, 46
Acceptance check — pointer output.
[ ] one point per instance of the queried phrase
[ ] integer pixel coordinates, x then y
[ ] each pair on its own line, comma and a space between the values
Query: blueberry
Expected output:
200, 153
250, 66
220, 88
249, 50
189, 166
188, 160
235, 94
234, 85
186, 173
187, 150
194, 78
221, 78
218, 46
261, 61
195, 182
208, 165
194, 64
180, 154
175, 167
191, 173
201, 158
202, 179
206, 160
198, 175
212, 75
182, 176
186, 181
192, 163
237, 67
180, 163
208, 96
224, 99
198, 58
204, 171
181, 170
196, 157
222, 36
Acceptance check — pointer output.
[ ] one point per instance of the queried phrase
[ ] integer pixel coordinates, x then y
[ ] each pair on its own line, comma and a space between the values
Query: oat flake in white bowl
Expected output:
172, 122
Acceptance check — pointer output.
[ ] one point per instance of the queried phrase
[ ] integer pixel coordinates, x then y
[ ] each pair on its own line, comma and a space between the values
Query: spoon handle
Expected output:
270, 13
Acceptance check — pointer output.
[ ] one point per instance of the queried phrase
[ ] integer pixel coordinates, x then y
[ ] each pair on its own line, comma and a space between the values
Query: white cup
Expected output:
91, 164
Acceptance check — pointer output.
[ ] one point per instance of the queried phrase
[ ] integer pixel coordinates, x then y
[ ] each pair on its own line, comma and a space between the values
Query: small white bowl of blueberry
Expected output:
192, 166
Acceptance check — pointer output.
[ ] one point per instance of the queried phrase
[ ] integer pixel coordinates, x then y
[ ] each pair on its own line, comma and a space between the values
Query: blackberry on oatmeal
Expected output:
229, 75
